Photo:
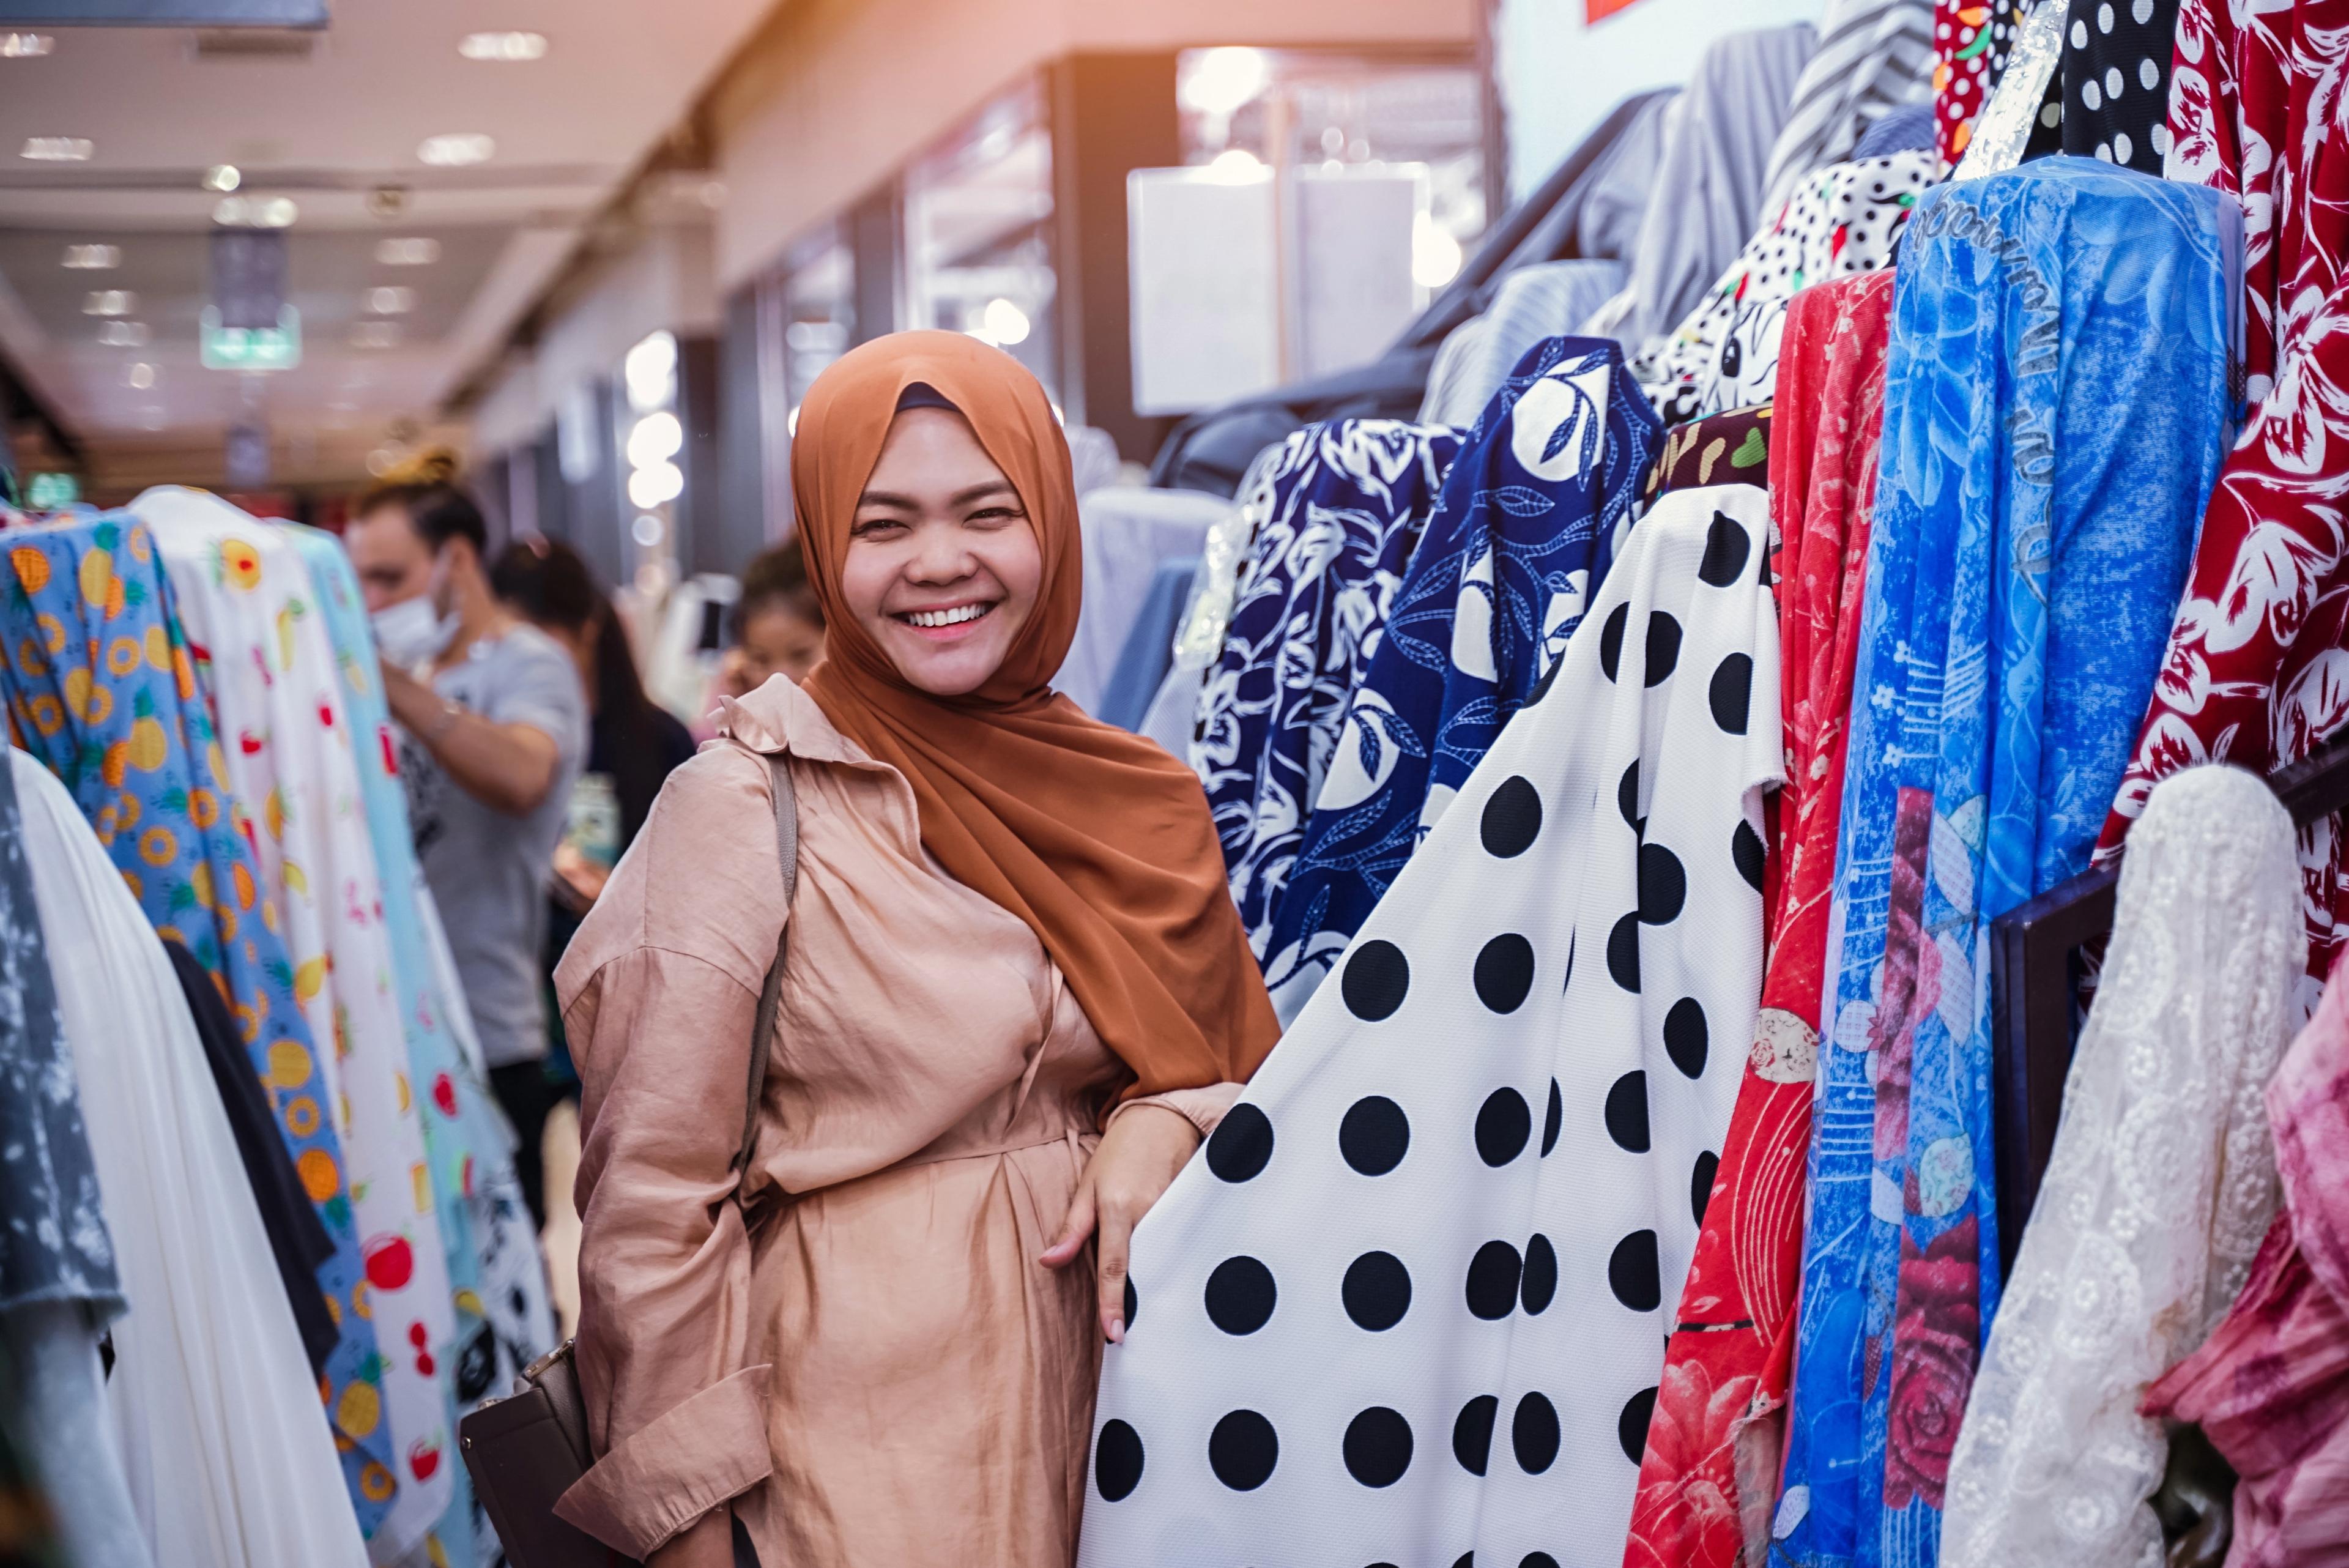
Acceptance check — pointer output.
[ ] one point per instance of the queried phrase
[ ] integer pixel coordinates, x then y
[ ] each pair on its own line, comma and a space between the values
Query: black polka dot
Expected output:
1553, 1119
1374, 1134
1242, 1145
1627, 799
1505, 973
1623, 952
1631, 1272
1132, 1302
1733, 692
1378, 1446
1466, 1560
1541, 1275
1117, 1461
1664, 886
1745, 848
1242, 1450
1663, 647
1376, 1290
1493, 1275
1533, 1433
1536, 1560
1472, 1433
1626, 1112
1700, 1178
1240, 1296
1610, 641
1632, 1426
1686, 1038
1513, 818
1503, 1125
1377, 978
1573, 940
1727, 547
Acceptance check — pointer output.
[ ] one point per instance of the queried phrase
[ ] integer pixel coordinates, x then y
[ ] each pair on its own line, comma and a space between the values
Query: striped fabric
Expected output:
1874, 56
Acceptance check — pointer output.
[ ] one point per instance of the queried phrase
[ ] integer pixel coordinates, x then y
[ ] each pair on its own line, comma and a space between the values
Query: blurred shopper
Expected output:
1018, 995
493, 724
778, 622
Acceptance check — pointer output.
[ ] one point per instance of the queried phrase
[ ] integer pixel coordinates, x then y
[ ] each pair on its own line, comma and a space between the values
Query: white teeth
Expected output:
955, 617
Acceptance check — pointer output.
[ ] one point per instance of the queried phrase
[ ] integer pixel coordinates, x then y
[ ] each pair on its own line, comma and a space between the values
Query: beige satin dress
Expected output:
876, 1370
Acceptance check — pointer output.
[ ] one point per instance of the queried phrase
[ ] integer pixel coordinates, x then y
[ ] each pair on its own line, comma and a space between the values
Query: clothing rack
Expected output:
2035, 985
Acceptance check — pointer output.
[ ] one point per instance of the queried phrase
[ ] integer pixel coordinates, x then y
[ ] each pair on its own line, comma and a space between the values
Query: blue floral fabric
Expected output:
1529, 519
1338, 514
2055, 411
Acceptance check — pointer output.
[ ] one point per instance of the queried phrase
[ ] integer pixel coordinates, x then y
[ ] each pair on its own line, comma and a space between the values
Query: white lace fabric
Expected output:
2161, 1185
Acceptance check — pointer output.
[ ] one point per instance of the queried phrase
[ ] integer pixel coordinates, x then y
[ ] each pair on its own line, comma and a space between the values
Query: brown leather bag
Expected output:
524, 1452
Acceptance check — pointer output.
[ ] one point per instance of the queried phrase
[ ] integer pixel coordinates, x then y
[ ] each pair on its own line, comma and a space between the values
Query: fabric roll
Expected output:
2056, 409
2161, 1186
1338, 513
51, 1348
1150, 646
1405, 1315
2117, 58
1873, 57
1726, 449
230, 1460
1531, 513
1909, 129
1970, 39
1709, 1477
297, 1241
1127, 531
102, 688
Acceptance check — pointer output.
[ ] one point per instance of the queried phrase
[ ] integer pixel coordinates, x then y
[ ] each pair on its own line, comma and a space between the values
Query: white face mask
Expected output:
412, 632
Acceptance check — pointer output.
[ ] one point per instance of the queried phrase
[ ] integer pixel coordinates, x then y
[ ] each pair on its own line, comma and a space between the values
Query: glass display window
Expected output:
978, 233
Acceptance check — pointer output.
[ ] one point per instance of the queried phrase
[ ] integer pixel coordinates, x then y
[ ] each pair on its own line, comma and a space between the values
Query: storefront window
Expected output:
979, 252
819, 310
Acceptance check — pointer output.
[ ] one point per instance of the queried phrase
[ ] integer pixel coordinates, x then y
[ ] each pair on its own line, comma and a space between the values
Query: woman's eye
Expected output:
868, 527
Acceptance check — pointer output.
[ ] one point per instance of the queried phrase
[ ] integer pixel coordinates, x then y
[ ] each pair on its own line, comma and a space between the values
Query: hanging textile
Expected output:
1907, 130
1874, 57
1339, 512
1127, 532
2162, 1184
50, 1361
230, 1463
1149, 648
2055, 410
2116, 103
1710, 1475
1529, 516
1841, 220
102, 688
1400, 1314
1548, 299
1726, 449
1970, 39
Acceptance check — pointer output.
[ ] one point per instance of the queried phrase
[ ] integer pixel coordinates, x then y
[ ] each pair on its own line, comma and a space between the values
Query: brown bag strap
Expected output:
770, 995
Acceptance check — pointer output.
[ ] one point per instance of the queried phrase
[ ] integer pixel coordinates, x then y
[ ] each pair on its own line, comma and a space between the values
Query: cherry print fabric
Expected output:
1407, 1306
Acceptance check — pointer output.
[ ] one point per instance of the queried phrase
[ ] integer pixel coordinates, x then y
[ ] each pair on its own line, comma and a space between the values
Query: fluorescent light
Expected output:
407, 253
123, 334
508, 47
25, 45
223, 177
142, 375
458, 150
93, 258
375, 334
110, 302
392, 301
57, 148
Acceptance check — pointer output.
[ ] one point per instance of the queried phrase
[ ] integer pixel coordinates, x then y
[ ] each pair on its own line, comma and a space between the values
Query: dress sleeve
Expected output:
1204, 1109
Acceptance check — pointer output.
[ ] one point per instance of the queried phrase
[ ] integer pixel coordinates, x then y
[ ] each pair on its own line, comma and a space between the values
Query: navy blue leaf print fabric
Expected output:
1529, 519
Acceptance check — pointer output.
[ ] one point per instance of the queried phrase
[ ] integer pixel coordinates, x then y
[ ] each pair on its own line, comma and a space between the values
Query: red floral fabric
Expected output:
2257, 671
1939, 1326
1710, 1471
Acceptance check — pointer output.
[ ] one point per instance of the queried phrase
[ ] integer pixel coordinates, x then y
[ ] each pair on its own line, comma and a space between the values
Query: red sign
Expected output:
1599, 10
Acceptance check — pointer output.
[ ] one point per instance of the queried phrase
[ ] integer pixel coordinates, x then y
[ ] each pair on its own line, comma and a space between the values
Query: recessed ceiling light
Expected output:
110, 302
223, 177
93, 258
513, 47
256, 212
123, 334
142, 375
455, 151
408, 253
392, 301
375, 334
25, 45
57, 148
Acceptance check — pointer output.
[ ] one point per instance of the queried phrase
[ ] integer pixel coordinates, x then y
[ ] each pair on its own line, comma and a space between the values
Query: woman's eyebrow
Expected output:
960, 498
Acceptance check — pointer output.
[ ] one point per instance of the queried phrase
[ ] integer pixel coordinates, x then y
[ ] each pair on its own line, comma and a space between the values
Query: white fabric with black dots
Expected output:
1412, 1300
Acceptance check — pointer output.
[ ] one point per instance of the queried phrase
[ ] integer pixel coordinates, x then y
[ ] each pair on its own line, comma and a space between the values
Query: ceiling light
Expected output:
223, 177
650, 372
375, 334
57, 148
1005, 323
655, 439
93, 258
655, 486
510, 47
455, 151
25, 45
110, 302
123, 334
408, 253
142, 375
256, 212
1223, 80
392, 301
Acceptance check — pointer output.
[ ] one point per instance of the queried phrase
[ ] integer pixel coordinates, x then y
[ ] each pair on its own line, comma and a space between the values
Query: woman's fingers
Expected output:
1078, 1225
1117, 1232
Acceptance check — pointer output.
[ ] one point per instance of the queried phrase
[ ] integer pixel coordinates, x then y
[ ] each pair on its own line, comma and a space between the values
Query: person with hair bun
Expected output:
494, 728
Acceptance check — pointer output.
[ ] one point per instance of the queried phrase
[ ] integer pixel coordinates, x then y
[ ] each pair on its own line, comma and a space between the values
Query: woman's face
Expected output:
943, 565
777, 640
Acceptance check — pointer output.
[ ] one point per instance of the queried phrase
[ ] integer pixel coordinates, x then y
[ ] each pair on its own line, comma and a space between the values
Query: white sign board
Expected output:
1355, 293
1206, 282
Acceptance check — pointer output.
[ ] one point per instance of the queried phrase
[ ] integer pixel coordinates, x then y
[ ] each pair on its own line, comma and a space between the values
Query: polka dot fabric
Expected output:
1970, 39
1411, 1305
2116, 80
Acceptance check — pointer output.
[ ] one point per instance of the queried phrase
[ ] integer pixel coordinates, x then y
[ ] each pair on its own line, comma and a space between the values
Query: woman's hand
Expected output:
1138, 1159
707, 1542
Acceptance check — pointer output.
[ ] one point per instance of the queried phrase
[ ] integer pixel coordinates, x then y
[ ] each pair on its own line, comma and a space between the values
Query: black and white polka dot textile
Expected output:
1411, 1303
2116, 56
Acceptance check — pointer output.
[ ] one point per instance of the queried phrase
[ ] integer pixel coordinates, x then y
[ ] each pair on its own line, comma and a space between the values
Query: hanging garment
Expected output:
2162, 1184
255, 627
1970, 39
2116, 103
230, 1462
1726, 449
1149, 648
1548, 300
1874, 57
2270, 1388
1409, 1306
2054, 411
1338, 513
1127, 532
1710, 1475
1841, 220
1533, 510
28, 1537
51, 1348
1905, 129
100, 687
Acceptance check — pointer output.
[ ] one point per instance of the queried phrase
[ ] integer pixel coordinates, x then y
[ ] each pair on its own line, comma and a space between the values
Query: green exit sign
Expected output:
276, 348
51, 492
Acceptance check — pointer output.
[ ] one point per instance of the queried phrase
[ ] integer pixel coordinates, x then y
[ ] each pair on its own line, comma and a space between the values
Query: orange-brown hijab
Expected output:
1097, 838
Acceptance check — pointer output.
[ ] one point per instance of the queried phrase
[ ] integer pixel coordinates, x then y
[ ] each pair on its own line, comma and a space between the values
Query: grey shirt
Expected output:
488, 870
